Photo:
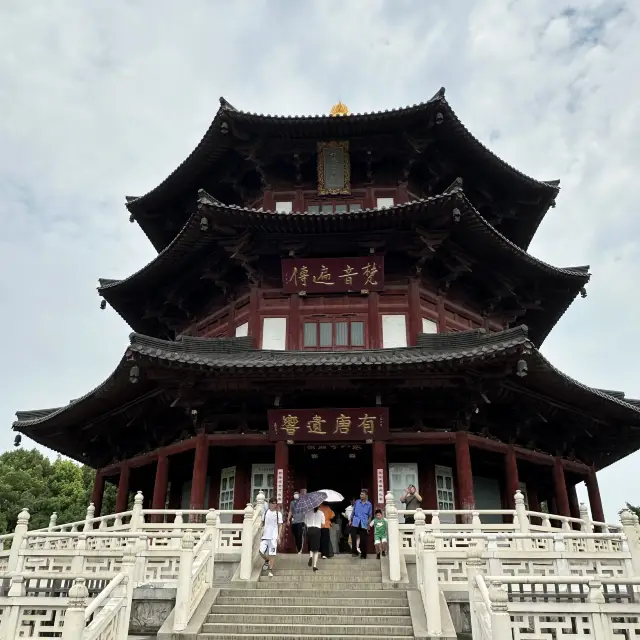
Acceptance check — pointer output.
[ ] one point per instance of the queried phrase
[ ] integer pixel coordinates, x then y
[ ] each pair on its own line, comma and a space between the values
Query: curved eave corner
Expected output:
236, 356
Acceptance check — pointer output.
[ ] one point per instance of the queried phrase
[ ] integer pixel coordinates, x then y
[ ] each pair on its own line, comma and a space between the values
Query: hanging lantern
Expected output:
522, 368
134, 374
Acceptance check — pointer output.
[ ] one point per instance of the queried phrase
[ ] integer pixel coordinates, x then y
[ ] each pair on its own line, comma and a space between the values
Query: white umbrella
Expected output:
332, 496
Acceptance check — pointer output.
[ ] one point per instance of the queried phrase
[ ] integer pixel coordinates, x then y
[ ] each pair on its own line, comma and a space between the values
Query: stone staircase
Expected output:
344, 600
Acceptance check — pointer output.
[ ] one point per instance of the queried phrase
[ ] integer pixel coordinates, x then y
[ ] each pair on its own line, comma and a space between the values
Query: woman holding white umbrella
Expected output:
330, 534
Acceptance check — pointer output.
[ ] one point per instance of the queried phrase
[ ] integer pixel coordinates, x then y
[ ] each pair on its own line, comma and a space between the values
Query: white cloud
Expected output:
99, 100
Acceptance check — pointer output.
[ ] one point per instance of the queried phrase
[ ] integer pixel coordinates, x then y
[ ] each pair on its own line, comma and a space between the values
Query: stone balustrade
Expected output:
79, 578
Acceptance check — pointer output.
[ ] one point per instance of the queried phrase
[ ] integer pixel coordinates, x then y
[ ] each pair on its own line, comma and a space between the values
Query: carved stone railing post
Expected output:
137, 519
140, 566
74, 615
601, 627
431, 585
630, 530
211, 524
77, 562
394, 537
52, 523
11, 615
22, 526
420, 527
260, 502
562, 562
523, 524
586, 526
178, 521
246, 552
88, 525
183, 591
494, 562
129, 565
475, 565
500, 619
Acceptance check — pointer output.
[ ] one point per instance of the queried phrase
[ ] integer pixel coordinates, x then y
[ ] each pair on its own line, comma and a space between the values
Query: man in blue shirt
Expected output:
360, 520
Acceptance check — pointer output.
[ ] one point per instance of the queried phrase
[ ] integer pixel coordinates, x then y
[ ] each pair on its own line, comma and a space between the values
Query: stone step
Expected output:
345, 558
311, 583
280, 636
317, 621
324, 568
393, 609
289, 630
328, 599
319, 576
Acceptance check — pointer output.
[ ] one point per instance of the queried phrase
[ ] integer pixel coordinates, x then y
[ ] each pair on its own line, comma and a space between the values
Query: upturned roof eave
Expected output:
212, 145
243, 217
235, 356
191, 238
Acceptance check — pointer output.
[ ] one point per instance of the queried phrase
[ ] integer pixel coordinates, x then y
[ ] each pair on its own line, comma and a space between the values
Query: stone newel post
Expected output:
500, 619
431, 585
246, 557
632, 533
22, 526
420, 527
183, 592
137, 519
394, 538
211, 524
88, 524
74, 615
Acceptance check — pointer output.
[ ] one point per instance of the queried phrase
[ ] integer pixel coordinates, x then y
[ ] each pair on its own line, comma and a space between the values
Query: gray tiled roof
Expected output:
235, 357
472, 233
236, 353
215, 142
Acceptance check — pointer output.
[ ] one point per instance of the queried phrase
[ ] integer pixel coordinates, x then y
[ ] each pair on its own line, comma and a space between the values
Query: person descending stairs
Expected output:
344, 599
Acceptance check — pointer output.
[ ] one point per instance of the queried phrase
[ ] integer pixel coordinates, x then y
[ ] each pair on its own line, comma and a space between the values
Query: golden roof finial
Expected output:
339, 109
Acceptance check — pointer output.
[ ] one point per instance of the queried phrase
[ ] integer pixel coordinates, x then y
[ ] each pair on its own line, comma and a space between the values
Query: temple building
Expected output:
343, 301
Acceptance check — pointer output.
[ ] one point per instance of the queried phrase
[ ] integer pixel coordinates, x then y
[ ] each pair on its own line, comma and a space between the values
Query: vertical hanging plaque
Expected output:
380, 483
334, 168
280, 486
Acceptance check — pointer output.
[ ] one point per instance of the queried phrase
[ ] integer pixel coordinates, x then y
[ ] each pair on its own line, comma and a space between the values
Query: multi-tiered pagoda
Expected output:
343, 301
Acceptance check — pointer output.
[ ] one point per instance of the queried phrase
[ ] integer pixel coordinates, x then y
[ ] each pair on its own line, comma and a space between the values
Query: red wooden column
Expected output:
122, 497
534, 502
98, 492
512, 482
560, 489
281, 481
160, 486
428, 488
380, 474
463, 471
574, 504
199, 476
595, 501
415, 316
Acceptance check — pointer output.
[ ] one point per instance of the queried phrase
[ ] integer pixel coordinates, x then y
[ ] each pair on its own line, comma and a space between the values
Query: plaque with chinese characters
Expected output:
326, 275
334, 168
329, 425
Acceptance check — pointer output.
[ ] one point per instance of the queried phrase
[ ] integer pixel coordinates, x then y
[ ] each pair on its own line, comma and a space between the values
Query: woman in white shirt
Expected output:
314, 521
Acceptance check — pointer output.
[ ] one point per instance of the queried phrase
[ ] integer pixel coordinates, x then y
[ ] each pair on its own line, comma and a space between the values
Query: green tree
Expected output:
633, 509
29, 479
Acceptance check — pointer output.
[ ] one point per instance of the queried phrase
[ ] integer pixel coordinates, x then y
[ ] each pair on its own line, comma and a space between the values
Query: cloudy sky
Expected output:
103, 99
